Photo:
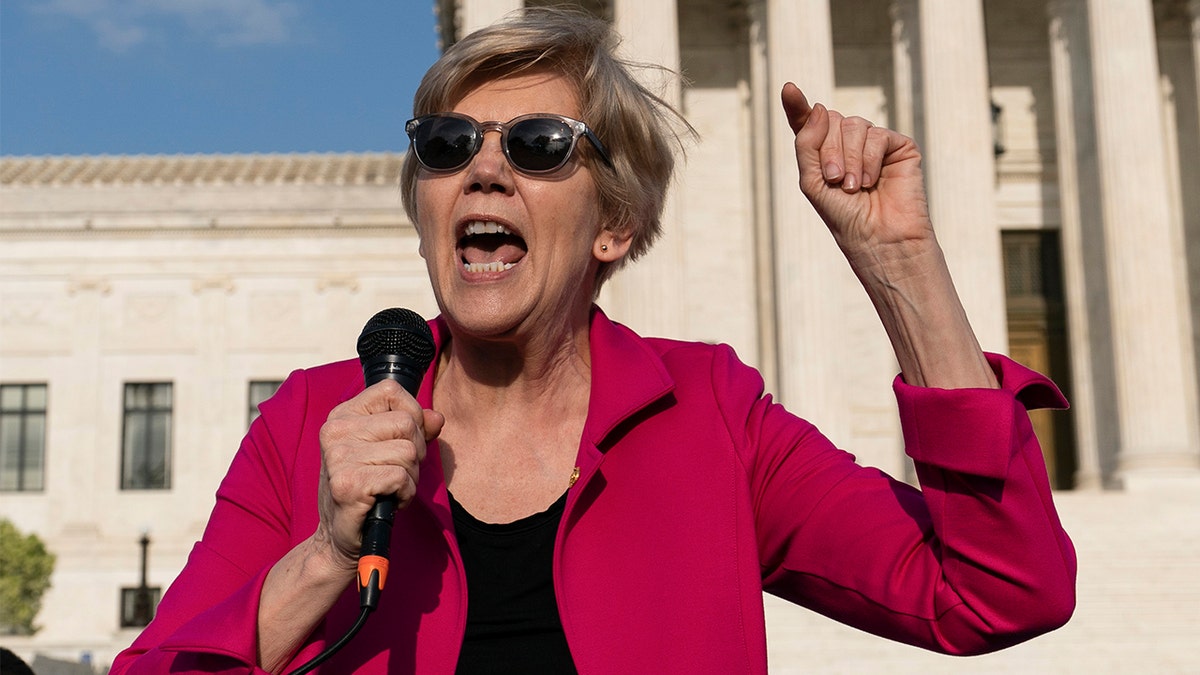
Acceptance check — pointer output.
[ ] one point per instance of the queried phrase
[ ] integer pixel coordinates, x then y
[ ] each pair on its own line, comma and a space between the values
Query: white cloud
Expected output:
120, 25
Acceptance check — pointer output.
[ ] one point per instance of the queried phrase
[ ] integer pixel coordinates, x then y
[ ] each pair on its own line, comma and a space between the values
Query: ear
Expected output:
610, 246
420, 241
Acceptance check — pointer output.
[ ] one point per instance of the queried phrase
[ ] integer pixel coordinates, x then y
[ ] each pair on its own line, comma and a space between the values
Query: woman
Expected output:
574, 496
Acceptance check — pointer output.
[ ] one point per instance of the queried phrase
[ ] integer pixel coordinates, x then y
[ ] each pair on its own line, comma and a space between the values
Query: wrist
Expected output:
921, 312
894, 262
324, 558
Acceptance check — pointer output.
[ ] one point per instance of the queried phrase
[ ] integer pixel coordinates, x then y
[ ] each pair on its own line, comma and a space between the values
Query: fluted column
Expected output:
906, 59
811, 273
763, 110
1187, 106
1156, 391
650, 295
1086, 288
959, 164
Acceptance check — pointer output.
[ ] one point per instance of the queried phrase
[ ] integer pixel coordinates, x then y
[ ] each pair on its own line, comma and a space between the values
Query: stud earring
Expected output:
604, 248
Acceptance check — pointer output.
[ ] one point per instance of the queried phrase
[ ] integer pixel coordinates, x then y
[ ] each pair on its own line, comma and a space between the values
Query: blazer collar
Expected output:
628, 376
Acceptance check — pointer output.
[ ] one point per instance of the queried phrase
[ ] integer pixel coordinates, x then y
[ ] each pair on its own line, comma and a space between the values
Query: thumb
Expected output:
795, 106
433, 422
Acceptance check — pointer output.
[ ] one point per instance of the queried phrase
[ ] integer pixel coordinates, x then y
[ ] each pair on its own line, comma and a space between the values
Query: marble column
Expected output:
1186, 74
957, 140
811, 274
1086, 288
650, 295
905, 66
1155, 373
763, 110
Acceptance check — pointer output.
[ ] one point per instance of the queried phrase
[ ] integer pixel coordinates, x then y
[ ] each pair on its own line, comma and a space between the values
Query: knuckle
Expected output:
389, 387
334, 429
406, 453
341, 484
406, 426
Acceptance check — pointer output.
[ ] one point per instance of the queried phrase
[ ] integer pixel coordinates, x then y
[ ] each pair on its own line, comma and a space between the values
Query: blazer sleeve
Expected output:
973, 561
207, 621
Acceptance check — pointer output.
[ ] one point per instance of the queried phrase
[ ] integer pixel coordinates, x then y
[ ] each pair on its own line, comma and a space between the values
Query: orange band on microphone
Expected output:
371, 563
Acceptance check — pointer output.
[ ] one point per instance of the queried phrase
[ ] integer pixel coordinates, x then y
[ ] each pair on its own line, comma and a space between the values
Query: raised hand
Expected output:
865, 181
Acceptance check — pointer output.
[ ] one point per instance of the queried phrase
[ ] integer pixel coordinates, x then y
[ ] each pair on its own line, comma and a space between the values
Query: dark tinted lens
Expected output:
539, 144
444, 142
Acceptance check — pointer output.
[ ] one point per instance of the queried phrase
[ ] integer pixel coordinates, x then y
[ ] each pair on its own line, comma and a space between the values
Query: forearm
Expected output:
974, 561
298, 592
914, 295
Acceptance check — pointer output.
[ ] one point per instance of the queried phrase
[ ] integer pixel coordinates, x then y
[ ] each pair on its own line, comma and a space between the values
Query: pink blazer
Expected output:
697, 492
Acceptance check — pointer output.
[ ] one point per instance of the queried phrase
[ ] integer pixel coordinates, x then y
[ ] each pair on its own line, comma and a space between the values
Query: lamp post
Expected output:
997, 130
142, 611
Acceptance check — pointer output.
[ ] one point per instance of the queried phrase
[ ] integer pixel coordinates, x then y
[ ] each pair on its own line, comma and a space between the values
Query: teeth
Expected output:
486, 227
481, 227
487, 267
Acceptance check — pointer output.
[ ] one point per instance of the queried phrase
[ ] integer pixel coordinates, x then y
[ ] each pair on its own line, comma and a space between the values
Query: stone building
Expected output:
147, 302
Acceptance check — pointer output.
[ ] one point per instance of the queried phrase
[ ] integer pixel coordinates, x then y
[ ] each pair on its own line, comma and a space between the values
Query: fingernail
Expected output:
850, 183
832, 171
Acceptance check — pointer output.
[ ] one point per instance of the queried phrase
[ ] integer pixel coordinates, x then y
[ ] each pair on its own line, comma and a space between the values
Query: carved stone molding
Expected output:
346, 282
222, 282
97, 285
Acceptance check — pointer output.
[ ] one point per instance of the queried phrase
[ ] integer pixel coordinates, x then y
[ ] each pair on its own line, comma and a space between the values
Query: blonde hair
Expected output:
639, 129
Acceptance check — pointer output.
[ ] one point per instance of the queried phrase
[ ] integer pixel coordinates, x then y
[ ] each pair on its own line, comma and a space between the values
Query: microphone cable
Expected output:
335, 647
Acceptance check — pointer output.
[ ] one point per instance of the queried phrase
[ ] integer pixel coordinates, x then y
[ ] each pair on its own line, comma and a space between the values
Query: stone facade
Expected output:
1058, 138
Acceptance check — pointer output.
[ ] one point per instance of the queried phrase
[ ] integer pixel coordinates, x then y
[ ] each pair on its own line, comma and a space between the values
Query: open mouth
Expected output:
489, 247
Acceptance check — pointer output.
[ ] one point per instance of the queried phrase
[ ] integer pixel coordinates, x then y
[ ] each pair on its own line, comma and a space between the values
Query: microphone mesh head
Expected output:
397, 331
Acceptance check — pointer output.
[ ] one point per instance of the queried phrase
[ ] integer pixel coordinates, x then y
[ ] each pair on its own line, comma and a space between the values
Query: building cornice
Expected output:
203, 195
362, 169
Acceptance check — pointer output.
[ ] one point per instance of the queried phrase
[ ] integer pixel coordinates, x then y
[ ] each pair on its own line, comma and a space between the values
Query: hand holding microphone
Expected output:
396, 344
373, 444
372, 447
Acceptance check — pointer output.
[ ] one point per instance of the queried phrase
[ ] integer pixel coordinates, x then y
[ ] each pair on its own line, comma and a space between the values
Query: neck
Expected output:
549, 372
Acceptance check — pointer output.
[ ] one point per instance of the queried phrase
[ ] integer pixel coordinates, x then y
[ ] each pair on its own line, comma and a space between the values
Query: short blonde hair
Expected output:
639, 129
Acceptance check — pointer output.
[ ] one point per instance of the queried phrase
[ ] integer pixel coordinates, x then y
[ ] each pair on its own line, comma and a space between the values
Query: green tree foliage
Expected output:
25, 567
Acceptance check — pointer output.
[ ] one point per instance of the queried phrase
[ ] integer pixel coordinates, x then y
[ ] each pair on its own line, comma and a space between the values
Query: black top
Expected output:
512, 616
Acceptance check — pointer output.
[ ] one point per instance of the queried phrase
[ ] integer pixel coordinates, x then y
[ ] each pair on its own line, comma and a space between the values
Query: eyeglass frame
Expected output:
577, 128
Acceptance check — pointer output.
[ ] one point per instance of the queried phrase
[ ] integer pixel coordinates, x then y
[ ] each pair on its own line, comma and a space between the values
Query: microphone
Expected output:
396, 344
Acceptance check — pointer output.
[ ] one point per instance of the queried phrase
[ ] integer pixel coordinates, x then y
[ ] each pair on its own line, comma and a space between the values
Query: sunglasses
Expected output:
538, 143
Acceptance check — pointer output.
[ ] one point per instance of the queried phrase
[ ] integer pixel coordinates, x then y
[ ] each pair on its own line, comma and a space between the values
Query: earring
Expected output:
604, 248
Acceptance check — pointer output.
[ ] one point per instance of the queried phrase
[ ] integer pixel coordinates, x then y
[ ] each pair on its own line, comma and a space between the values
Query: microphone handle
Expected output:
373, 556
377, 527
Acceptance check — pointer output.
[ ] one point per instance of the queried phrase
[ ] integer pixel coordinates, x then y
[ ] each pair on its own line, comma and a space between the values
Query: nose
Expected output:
489, 170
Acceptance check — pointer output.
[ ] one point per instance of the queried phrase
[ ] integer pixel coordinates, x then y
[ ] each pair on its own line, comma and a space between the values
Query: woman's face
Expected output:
505, 250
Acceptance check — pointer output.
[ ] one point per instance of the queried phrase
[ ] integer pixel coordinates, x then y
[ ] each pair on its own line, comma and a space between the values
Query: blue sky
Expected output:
209, 76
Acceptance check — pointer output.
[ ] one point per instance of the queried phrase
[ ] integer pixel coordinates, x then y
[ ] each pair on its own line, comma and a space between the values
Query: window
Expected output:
138, 605
146, 448
22, 437
260, 390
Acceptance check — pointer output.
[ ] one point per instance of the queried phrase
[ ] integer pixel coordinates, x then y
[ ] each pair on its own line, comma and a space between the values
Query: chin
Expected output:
487, 321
